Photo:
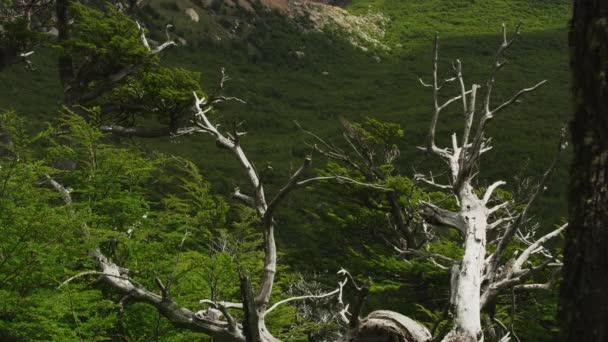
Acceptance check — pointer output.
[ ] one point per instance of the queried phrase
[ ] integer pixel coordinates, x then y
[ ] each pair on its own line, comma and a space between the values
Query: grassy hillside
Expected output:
336, 79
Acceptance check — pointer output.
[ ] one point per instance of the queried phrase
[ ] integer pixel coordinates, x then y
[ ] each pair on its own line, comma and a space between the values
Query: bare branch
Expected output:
203, 122
325, 295
431, 147
498, 64
227, 305
291, 184
65, 192
435, 215
463, 92
163, 289
203, 106
452, 100
494, 259
121, 313
88, 273
431, 182
546, 286
142, 132
424, 84
343, 179
499, 206
490, 190
533, 247
223, 308
142, 36
344, 272
162, 47
362, 292
513, 99
500, 221
425, 254
244, 198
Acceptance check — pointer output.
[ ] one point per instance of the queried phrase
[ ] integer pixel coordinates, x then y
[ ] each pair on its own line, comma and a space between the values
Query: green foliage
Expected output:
162, 93
379, 133
16, 37
103, 46
41, 245
110, 36
21, 140
172, 228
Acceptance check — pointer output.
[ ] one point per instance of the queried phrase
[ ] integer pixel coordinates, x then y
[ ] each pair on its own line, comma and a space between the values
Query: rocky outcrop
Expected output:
363, 30
299, 54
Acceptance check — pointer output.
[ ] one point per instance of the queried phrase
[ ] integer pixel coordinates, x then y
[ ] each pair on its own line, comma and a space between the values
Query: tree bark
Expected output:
66, 70
584, 293
466, 290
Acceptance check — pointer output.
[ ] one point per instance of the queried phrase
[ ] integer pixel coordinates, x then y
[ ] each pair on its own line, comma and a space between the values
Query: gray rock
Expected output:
191, 13
53, 32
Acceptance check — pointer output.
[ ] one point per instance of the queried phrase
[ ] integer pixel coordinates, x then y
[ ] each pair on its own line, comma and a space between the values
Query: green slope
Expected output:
279, 88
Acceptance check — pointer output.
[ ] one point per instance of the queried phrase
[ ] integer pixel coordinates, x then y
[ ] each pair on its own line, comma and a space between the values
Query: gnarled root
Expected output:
388, 326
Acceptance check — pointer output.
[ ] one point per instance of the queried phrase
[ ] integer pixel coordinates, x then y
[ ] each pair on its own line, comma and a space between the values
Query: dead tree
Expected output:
217, 320
481, 274
482, 221
256, 306
476, 279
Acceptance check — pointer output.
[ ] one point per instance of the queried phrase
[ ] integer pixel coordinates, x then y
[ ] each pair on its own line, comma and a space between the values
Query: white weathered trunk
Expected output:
472, 217
466, 291
265, 335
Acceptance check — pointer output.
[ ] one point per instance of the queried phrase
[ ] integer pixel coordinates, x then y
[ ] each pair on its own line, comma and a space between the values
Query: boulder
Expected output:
191, 13
53, 32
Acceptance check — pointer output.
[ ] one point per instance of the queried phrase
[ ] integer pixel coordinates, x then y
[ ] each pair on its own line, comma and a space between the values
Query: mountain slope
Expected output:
287, 71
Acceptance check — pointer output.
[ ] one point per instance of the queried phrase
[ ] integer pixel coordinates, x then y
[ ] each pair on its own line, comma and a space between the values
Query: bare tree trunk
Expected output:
584, 291
466, 293
478, 277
